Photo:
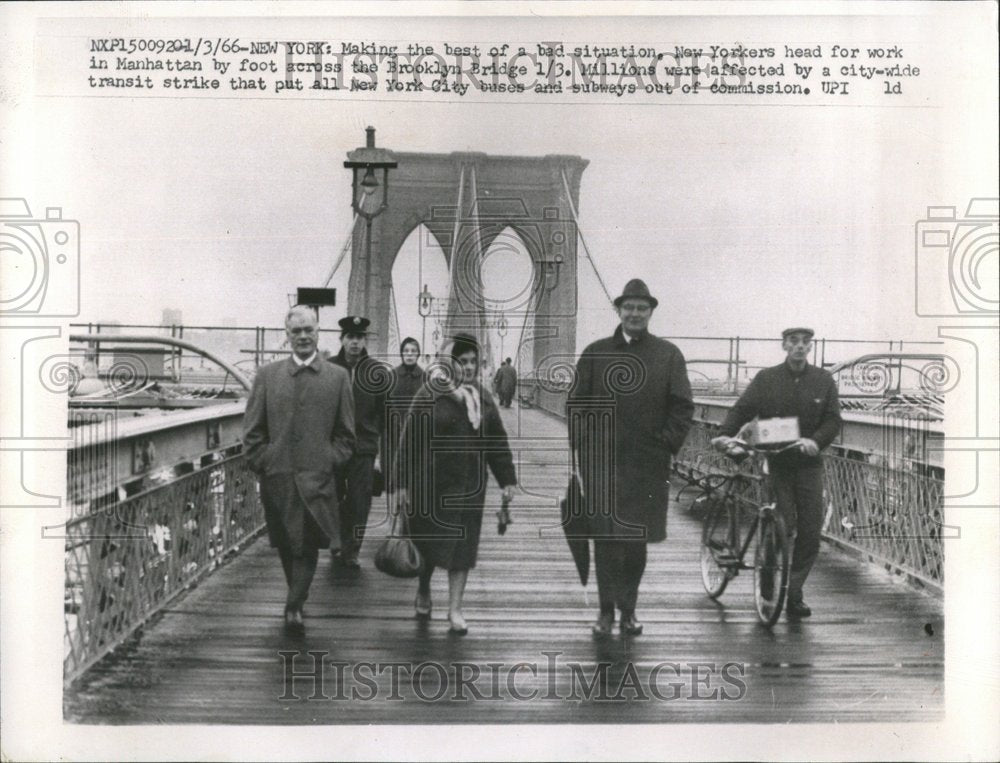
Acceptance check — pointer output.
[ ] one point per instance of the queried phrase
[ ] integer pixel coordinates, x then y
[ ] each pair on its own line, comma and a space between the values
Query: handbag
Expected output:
398, 555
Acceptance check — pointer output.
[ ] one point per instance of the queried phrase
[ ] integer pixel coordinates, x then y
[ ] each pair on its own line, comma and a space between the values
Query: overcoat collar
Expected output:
415, 370
622, 341
793, 373
294, 368
341, 358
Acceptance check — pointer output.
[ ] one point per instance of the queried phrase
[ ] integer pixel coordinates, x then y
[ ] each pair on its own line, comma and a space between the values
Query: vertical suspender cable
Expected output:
579, 230
477, 231
454, 235
343, 251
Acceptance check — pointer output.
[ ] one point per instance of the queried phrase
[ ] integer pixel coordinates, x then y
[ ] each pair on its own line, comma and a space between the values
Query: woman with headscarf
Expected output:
452, 434
409, 376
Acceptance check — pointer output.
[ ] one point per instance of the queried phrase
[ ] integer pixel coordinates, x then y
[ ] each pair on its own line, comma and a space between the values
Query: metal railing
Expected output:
886, 508
891, 513
125, 562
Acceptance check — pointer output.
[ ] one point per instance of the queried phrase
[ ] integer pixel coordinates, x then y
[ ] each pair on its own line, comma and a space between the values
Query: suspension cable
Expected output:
579, 231
480, 322
454, 235
343, 251
395, 316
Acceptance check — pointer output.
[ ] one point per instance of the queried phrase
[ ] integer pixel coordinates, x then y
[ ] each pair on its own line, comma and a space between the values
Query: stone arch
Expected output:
460, 196
414, 265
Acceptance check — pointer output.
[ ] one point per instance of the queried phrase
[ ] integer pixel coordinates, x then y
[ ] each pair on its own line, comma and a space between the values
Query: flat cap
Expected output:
797, 330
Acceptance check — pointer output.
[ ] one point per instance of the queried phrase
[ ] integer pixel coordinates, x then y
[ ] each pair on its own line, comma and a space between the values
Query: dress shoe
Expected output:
350, 560
630, 626
604, 625
294, 623
797, 607
422, 606
457, 627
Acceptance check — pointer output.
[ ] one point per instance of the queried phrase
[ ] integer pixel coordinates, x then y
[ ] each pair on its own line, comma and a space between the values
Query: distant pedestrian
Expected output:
505, 382
298, 430
409, 377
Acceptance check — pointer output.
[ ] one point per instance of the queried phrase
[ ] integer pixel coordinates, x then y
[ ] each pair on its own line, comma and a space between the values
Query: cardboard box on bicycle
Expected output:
773, 431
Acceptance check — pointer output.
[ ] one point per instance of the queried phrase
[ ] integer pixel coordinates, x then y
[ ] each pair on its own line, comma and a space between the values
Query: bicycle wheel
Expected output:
770, 569
717, 549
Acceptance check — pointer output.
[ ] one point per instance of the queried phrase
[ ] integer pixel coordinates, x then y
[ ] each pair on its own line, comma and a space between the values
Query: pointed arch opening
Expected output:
419, 263
509, 292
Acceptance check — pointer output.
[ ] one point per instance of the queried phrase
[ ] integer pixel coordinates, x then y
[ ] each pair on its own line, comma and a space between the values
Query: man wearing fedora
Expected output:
370, 382
629, 411
794, 388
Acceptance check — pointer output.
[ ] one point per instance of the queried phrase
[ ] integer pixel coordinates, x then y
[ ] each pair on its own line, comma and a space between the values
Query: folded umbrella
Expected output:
576, 527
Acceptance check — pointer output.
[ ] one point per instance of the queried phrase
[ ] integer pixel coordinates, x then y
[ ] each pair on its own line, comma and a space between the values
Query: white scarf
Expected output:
470, 395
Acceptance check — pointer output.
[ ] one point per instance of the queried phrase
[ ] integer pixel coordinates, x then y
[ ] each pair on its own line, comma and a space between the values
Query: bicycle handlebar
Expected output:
736, 448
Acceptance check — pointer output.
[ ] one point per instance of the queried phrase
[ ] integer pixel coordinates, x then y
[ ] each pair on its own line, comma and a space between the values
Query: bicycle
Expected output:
728, 529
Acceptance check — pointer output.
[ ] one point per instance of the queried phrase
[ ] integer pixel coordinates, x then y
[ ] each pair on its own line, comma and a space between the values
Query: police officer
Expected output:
794, 388
370, 380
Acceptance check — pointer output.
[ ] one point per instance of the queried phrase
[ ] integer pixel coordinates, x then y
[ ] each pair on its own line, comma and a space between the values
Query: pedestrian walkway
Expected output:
873, 650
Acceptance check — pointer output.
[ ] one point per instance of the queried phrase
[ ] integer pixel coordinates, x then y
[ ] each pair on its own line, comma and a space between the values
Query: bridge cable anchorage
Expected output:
579, 233
348, 243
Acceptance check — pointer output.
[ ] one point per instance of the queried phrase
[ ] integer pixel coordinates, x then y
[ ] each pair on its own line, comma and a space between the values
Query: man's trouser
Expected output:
354, 491
299, 572
798, 493
620, 564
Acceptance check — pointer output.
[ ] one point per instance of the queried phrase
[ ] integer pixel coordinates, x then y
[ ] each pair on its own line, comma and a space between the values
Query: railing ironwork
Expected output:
890, 512
883, 506
128, 560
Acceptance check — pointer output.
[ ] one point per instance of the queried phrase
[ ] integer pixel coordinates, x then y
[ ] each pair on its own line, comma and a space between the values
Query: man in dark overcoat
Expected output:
298, 430
628, 412
794, 388
370, 382
506, 382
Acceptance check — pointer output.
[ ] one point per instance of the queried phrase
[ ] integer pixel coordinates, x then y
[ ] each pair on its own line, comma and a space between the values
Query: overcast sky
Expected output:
741, 219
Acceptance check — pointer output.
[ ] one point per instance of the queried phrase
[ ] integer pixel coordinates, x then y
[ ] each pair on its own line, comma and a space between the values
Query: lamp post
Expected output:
369, 197
425, 303
550, 267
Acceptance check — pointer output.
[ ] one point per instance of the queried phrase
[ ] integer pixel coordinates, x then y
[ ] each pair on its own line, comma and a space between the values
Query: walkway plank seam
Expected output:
873, 651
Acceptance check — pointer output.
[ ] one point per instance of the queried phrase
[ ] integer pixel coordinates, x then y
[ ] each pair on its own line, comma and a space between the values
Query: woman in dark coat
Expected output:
409, 376
452, 434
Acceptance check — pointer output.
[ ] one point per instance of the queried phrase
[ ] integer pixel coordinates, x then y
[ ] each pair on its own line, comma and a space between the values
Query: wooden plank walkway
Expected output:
873, 650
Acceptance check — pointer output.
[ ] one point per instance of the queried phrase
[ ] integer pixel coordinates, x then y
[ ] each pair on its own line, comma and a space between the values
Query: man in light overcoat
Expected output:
298, 431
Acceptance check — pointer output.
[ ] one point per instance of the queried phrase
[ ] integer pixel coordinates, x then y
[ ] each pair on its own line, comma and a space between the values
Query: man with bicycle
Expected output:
794, 388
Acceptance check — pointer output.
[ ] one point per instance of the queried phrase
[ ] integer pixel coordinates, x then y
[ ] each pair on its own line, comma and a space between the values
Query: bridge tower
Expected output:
466, 200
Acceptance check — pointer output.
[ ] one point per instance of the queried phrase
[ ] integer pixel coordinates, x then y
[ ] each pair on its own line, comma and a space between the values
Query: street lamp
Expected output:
369, 197
551, 268
425, 303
